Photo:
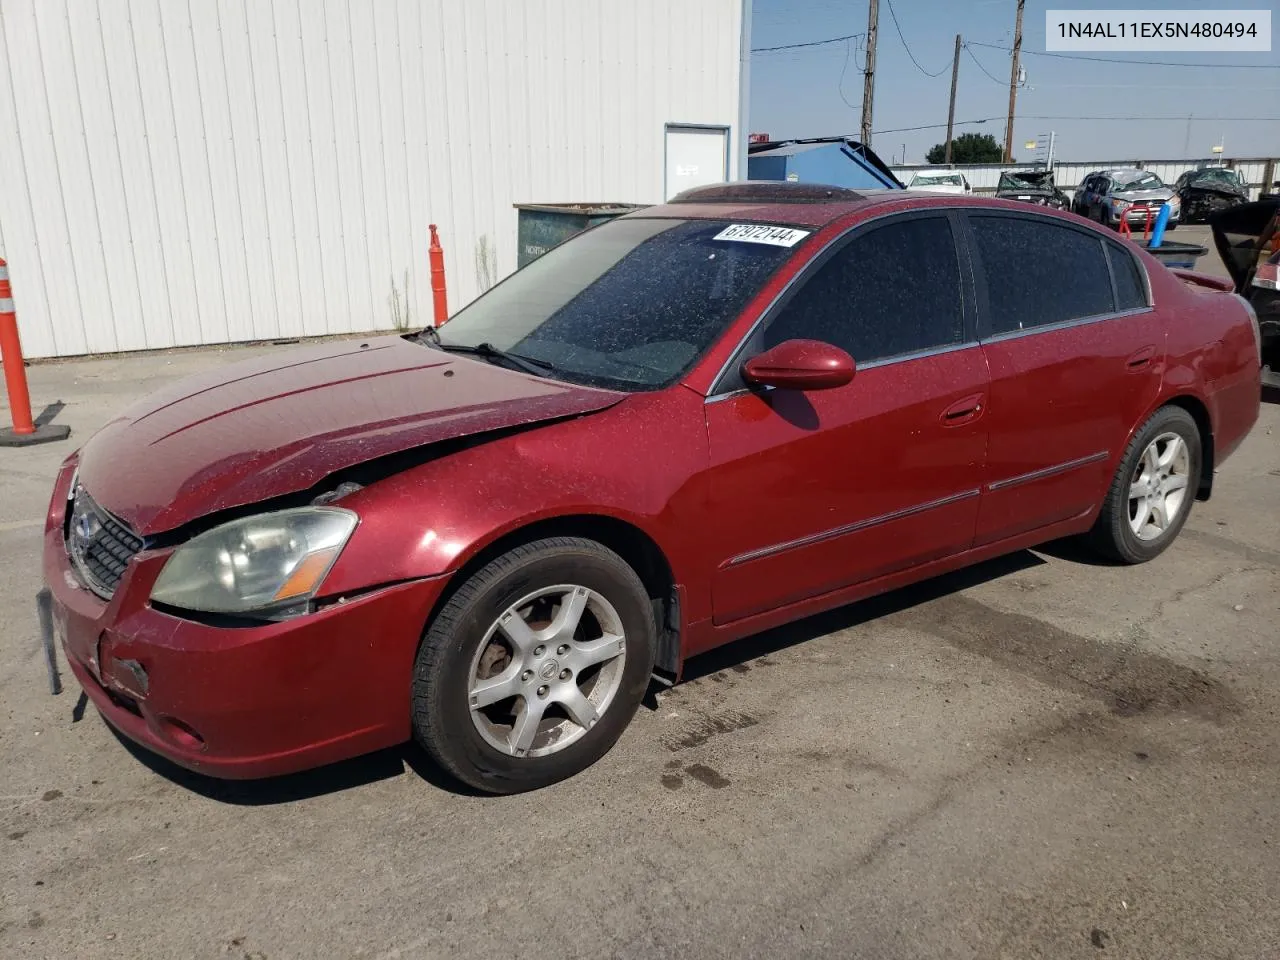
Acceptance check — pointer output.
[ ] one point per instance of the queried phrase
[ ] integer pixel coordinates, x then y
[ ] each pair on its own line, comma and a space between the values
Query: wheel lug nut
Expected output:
566, 673
562, 649
539, 650
542, 691
527, 676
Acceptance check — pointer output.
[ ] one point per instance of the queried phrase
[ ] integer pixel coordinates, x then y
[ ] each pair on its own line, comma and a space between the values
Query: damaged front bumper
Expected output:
236, 699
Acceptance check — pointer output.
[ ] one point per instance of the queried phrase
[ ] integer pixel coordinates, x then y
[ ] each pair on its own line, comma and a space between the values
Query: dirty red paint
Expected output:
740, 493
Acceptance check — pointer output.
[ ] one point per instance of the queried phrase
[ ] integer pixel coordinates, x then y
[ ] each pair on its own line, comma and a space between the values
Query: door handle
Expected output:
965, 410
1141, 359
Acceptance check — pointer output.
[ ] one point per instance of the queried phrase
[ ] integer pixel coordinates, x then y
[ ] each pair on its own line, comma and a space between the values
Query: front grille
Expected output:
100, 546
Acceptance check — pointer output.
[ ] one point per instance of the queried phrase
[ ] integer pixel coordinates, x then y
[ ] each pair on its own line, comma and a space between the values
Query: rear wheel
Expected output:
535, 666
1151, 494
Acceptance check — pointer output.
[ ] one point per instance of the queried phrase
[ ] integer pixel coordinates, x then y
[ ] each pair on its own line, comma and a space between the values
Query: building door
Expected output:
696, 156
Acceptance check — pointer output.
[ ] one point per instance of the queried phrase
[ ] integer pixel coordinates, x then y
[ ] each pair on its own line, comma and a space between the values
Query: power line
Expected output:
1144, 63
1182, 119
974, 57
897, 27
809, 43
848, 52
934, 126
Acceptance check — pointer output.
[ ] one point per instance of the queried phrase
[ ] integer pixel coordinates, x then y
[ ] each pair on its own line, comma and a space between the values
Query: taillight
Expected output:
1268, 275
1253, 320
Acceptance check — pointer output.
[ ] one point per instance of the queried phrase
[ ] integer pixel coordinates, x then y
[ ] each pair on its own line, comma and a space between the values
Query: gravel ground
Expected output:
1038, 757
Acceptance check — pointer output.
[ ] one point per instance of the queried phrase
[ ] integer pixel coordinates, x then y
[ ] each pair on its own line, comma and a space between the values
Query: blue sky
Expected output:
798, 93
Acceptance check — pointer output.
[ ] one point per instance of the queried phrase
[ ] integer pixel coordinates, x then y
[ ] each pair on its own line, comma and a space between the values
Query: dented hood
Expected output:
281, 423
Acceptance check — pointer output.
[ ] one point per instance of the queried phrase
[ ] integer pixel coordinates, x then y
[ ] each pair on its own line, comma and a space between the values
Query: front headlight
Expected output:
270, 565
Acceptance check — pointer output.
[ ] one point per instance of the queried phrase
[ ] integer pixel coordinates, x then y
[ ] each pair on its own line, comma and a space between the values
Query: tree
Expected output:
968, 148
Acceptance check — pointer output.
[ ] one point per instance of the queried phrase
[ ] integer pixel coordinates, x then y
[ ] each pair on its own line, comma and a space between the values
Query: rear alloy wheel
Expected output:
1153, 489
535, 666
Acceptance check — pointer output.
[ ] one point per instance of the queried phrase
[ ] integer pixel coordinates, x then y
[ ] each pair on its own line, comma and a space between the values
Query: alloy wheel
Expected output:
1158, 489
547, 670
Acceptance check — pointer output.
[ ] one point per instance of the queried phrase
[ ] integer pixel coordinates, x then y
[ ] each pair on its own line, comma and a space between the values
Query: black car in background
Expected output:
1207, 190
1032, 186
1247, 236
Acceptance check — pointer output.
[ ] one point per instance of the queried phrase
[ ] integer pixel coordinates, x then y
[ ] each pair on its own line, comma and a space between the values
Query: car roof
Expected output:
801, 205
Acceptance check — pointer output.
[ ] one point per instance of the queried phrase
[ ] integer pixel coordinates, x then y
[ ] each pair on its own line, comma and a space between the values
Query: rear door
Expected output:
1076, 357
816, 490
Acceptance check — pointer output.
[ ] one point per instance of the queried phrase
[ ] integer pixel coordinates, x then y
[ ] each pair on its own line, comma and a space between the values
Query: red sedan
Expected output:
681, 427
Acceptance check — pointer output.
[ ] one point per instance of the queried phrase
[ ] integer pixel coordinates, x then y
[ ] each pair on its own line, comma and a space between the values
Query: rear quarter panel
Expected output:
1212, 355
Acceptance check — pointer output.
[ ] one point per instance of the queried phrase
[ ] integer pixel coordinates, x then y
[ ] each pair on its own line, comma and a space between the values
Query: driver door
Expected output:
812, 491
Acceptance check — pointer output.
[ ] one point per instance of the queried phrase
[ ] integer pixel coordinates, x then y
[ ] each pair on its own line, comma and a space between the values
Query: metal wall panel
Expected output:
177, 173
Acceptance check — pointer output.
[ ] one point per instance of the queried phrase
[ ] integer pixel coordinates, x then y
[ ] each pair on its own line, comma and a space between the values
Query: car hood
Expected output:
280, 424
1160, 193
1212, 185
937, 187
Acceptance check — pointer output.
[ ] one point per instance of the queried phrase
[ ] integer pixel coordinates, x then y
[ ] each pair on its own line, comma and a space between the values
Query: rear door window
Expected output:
1039, 272
891, 290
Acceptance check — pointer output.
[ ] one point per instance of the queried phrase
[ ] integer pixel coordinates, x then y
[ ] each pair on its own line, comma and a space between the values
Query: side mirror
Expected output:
800, 365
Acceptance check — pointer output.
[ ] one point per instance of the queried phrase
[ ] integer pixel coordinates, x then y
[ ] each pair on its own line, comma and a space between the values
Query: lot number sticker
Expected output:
755, 233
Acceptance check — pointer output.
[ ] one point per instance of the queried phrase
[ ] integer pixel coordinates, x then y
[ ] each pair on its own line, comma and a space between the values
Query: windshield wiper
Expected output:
491, 353
487, 351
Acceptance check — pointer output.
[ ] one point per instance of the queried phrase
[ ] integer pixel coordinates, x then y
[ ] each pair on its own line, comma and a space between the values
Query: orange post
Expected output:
24, 430
435, 253
15, 374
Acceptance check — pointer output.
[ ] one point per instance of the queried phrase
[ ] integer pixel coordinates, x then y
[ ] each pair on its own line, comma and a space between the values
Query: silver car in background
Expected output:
940, 181
1125, 194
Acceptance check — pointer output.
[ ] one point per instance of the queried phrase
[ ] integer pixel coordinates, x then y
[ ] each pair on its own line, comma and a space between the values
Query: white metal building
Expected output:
178, 172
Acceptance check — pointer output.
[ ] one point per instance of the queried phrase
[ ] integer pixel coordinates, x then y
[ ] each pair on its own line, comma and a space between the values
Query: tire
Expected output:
465, 646
1113, 534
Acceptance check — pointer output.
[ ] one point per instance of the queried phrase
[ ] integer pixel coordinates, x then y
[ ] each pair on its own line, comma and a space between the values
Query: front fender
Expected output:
642, 463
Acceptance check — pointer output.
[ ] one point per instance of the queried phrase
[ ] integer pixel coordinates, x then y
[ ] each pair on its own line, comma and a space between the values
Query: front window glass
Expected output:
629, 305
891, 291
938, 180
1146, 181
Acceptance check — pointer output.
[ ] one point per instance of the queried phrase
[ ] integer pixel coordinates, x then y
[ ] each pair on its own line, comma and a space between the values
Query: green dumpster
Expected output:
542, 226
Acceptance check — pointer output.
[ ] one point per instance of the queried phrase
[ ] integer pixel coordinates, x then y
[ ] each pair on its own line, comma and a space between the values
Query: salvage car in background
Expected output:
683, 426
1207, 190
1126, 194
1248, 240
943, 181
1032, 186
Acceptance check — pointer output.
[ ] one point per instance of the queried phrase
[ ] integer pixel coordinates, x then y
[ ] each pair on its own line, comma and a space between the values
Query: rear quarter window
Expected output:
1131, 288
1039, 272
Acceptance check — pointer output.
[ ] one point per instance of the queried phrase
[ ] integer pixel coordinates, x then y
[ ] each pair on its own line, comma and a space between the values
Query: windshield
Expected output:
629, 305
1218, 174
1146, 181
950, 180
1023, 181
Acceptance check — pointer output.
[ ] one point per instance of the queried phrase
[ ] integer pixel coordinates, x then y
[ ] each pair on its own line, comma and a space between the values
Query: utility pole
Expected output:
1013, 84
869, 74
951, 111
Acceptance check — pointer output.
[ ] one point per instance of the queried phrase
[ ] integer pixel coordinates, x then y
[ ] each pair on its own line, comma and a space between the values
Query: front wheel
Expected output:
1151, 494
534, 667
